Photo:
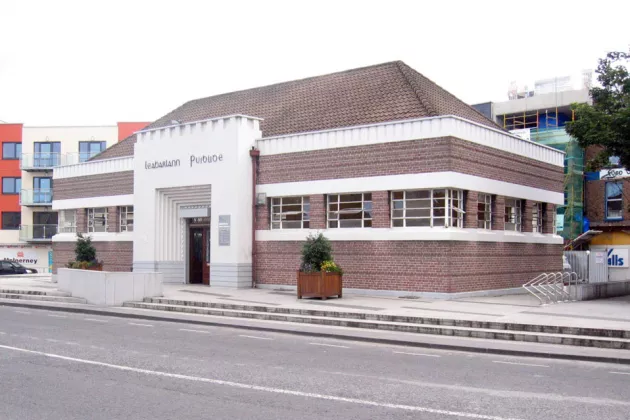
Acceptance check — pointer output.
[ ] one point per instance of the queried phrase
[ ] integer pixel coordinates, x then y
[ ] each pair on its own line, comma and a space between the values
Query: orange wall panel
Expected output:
125, 129
10, 133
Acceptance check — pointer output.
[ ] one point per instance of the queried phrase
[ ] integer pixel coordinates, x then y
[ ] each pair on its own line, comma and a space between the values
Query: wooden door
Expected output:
196, 256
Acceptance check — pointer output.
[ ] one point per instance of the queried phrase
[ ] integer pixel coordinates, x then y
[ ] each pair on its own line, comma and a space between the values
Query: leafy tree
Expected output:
84, 250
606, 123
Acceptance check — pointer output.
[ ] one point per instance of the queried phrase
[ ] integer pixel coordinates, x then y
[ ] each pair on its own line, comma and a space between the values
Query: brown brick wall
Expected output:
113, 218
528, 214
407, 157
419, 266
318, 211
115, 183
498, 212
471, 209
380, 210
549, 219
116, 256
262, 215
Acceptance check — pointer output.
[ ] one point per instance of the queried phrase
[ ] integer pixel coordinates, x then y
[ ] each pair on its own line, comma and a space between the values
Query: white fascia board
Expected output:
411, 234
411, 182
96, 237
92, 202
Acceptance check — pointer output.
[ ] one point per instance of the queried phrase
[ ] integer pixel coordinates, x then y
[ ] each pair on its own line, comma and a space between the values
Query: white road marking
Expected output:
95, 320
72, 343
57, 316
620, 373
238, 385
3, 333
197, 331
519, 364
52, 340
417, 354
97, 347
329, 345
140, 325
256, 338
22, 312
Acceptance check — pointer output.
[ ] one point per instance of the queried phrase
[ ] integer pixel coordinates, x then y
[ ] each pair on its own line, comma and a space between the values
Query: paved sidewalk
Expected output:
611, 313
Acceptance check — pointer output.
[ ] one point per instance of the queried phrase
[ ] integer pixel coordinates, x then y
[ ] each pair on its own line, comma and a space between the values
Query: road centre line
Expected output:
417, 354
95, 320
140, 325
255, 337
22, 312
519, 364
57, 316
329, 345
197, 331
620, 373
252, 387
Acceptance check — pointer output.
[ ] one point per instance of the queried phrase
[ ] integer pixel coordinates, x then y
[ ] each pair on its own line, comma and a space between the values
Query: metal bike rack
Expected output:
556, 287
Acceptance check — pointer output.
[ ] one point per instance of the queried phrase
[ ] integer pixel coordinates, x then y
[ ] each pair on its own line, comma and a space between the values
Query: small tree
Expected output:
316, 250
84, 250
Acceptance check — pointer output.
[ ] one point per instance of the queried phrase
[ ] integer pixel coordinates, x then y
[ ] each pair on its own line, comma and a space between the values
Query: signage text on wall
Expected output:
614, 173
161, 164
193, 159
618, 257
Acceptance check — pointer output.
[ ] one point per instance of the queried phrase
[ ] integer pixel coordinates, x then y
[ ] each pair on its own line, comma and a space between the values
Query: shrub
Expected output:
84, 250
315, 251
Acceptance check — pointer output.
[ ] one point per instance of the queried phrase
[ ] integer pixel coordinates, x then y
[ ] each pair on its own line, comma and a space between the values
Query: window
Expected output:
97, 219
11, 150
11, 185
126, 219
67, 221
42, 190
47, 154
614, 200
88, 149
350, 210
537, 218
290, 213
430, 208
11, 220
484, 211
513, 214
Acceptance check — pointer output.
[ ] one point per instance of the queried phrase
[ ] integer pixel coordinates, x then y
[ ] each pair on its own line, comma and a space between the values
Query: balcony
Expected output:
36, 197
41, 161
37, 233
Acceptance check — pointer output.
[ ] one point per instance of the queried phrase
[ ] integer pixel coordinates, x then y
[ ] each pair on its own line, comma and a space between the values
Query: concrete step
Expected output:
42, 298
492, 325
526, 336
35, 292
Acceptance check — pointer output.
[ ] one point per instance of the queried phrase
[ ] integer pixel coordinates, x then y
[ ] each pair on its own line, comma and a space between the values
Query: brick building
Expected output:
418, 192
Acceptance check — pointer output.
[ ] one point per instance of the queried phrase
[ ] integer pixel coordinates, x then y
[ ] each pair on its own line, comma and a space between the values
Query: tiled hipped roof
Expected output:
384, 92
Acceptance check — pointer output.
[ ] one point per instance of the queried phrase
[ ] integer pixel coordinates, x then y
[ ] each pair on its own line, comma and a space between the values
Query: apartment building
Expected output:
29, 154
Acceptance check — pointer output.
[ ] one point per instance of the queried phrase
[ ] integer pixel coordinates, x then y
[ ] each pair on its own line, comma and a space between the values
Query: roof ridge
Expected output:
408, 68
424, 102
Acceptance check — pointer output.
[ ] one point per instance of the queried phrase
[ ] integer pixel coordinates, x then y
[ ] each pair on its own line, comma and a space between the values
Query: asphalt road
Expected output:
66, 366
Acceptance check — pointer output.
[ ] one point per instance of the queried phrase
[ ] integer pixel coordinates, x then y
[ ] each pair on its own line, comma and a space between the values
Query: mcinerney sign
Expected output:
193, 159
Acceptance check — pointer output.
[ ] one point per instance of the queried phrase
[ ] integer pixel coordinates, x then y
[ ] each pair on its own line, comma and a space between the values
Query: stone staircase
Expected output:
39, 295
547, 334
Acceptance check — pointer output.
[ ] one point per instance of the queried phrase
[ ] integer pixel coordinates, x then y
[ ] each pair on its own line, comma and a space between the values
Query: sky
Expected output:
68, 62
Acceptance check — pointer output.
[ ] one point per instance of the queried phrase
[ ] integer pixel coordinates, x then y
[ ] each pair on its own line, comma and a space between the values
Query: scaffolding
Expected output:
531, 120
573, 209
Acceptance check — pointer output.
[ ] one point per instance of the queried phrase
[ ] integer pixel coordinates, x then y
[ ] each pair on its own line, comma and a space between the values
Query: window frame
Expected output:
607, 200
15, 179
15, 144
487, 203
278, 203
124, 214
67, 225
363, 210
14, 213
89, 155
450, 195
537, 218
91, 214
518, 214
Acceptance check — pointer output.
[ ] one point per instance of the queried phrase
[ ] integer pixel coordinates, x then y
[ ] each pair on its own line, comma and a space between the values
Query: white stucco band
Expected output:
410, 182
90, 202
411, 234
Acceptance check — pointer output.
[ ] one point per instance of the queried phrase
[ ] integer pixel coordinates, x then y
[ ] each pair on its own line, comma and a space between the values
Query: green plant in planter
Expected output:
85, 253
317, 255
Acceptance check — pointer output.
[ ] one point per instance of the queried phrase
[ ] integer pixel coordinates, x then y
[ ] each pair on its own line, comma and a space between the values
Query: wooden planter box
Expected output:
318, 284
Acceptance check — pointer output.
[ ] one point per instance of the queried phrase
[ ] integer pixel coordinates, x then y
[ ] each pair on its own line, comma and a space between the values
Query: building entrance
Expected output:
199, 251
